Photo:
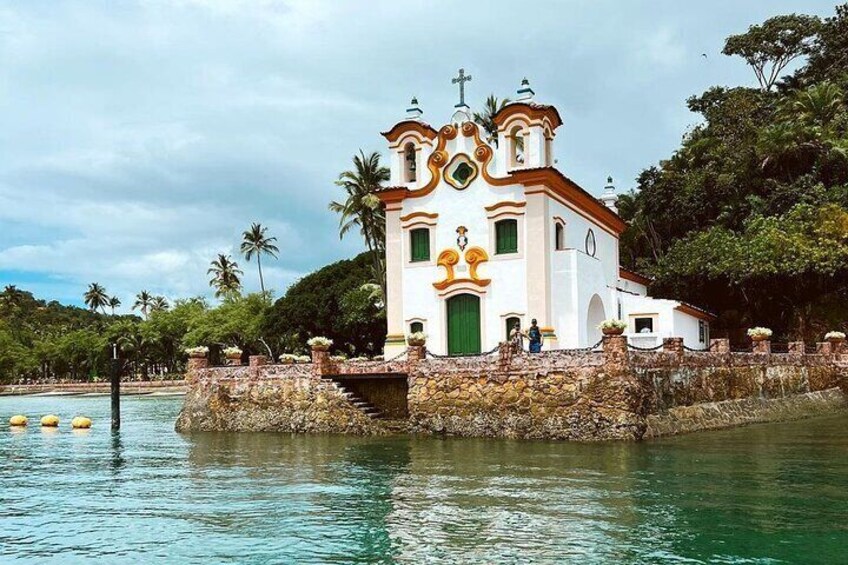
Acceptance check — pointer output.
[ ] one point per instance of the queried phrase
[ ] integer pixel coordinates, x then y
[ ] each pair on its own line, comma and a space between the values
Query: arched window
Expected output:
416, 327
409, 162
506, 236
591, 245
549, 152
516, 147
419, 244
510, 324
559, 236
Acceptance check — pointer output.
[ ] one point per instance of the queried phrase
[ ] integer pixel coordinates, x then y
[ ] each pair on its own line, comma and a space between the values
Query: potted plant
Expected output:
288, 358
320, 343
612, 327
338, 358
416, 339
759, 333
303, 359
836, 338
198, 352
232, 352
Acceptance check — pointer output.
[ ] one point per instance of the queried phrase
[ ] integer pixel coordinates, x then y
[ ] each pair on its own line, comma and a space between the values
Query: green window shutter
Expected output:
506, 236
416, 327
420, 244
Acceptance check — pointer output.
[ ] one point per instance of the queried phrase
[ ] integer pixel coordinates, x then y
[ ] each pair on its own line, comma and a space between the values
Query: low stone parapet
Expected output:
581, 395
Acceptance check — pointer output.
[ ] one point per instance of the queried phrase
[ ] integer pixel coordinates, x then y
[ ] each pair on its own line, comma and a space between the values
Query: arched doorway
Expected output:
595, 316
463, 324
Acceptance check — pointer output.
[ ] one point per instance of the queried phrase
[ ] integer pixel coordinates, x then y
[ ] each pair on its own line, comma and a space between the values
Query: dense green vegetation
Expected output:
41, 340
749, 217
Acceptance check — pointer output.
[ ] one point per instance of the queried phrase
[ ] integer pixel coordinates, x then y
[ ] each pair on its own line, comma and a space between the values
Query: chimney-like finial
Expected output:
609, 197
414, 111
525, 93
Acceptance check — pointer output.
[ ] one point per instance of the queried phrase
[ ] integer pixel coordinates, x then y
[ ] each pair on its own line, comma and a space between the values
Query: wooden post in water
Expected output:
115, 389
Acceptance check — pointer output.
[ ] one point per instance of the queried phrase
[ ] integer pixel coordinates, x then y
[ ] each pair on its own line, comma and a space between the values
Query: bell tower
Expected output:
410, 145
525, 132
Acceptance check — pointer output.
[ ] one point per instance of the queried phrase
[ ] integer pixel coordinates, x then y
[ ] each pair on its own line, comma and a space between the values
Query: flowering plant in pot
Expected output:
303, 359
288, 358
612, 327
338, 358
320, 343
834, 337
198, 352
416, 339
232, 352
759, 333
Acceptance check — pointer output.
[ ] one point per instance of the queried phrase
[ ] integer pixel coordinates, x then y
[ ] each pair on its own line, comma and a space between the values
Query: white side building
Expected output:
480, 234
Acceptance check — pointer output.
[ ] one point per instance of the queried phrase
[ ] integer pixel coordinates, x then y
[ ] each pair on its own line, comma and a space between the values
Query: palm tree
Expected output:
160, 304
144, 302
114, 302
362, 208
95, 297
225, 276
817, 105
255, 242
486, 118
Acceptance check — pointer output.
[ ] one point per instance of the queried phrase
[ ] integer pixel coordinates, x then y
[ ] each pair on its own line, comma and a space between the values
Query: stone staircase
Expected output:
361, 404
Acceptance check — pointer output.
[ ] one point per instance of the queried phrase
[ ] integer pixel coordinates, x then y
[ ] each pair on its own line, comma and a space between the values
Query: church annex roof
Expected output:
696, 312
553, 179
633, 276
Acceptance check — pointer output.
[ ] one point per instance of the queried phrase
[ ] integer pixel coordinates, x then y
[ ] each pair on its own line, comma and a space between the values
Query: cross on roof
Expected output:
461, 80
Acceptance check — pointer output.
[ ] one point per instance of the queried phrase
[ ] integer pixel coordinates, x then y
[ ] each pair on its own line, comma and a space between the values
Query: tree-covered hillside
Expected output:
749, 217
49, 341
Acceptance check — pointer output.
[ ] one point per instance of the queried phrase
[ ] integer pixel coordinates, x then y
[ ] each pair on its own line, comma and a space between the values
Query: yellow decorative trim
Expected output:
474, 257
449, 258
436, 162
461, 157
514, 204
414, 215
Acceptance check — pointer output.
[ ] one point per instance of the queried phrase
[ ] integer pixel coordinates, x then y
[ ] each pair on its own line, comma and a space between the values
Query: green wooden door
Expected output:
463, 324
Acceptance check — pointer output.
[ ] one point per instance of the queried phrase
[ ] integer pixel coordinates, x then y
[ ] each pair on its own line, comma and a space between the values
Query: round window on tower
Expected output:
591, 246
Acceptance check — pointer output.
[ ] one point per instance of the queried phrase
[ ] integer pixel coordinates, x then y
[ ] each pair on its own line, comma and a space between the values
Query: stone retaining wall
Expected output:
280, 398
612, 394
127, 388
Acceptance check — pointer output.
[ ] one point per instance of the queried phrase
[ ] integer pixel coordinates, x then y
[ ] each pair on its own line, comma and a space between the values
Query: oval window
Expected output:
591, 246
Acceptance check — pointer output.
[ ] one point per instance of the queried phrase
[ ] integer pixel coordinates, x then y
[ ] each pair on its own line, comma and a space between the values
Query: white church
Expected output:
483, 233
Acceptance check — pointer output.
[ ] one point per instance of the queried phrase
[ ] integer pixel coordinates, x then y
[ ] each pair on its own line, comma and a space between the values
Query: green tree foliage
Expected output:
336, 301
226, 276
486, 118
95, 297
744, 217
768, 48
256, 241
143, 302
363, 209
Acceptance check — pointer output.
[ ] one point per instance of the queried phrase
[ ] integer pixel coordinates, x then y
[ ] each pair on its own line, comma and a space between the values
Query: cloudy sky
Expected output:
140, 138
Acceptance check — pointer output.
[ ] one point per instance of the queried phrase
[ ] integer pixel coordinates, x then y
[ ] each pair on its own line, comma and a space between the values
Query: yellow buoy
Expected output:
18, 420
81, 423
50, 421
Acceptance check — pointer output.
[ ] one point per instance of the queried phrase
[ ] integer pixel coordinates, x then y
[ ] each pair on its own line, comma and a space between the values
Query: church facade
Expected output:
482, 233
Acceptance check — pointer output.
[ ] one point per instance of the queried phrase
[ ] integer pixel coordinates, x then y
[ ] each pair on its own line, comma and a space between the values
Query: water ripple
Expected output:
764, 494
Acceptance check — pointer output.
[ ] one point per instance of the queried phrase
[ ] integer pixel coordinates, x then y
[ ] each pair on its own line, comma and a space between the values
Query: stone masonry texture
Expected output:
614, 394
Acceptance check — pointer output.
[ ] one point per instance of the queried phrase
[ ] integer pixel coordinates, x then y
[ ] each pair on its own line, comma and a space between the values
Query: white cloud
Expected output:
140, 138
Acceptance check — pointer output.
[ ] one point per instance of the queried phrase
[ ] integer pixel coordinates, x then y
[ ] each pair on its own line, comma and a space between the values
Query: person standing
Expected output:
534, 336
516, 338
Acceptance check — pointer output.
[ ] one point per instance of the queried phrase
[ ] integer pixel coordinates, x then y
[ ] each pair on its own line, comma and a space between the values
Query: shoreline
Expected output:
74, 389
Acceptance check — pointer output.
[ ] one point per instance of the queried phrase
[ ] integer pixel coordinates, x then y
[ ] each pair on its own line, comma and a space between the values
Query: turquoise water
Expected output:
762, 494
